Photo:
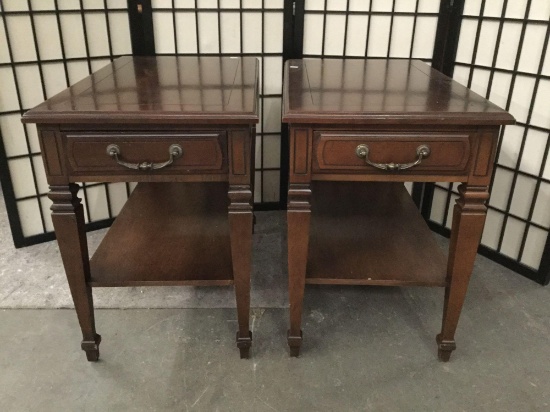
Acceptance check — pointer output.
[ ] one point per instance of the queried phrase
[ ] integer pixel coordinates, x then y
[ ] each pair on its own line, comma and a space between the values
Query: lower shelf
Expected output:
167, 234
370, 234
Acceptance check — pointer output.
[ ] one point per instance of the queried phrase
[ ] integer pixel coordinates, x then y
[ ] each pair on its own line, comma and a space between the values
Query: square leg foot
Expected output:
294, 344
244, 345
91, 347
444, 348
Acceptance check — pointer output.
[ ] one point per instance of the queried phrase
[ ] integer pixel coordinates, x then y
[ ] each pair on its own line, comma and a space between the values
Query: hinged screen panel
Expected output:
503, 55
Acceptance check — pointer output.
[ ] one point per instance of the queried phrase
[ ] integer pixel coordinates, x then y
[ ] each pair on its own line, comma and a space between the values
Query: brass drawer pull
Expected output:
174, 151
422, 151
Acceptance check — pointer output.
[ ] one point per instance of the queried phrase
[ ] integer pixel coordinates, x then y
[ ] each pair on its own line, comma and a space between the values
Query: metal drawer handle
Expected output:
422, 151
174, 151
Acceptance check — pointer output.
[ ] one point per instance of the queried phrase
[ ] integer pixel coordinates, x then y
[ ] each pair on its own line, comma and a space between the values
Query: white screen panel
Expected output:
40, 174
73, 36
501, 188
531, 54
98, 42
273, 33
491, 231
230, 33
534, 247
499, 90
120, 33
313, 43
29, 215
379, 36
335, 34
30, 85
22, 177
49, 42
11, 125
424, 38
53, 82
493, 8
522, 197
46, 204
540, 10
164, 32
405, 6
20, 30
511, 243
8, 91
252, 25
511, 145
533, 151
486, 43
511, 34
541, 115
516, 9
208, 33
356, 36
402, 36
97, 203
186, 29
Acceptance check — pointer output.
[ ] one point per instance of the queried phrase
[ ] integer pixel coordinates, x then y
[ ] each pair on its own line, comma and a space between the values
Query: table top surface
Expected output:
380, 91
164, 89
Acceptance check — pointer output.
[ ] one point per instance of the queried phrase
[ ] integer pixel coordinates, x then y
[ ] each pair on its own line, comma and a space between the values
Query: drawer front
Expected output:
203, 152
337, 152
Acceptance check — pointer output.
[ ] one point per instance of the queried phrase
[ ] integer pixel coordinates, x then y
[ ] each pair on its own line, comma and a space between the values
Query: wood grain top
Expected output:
163, 89
380, 91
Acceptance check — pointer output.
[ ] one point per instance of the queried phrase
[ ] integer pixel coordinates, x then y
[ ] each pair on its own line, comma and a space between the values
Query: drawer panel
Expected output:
335, 152
201, 152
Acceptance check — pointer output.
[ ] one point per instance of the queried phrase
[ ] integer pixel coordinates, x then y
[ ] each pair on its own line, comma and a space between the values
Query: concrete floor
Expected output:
365, 349
370, 350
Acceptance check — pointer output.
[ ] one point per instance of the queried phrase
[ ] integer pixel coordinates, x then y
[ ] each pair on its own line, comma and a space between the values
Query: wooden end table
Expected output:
358, 129
184, 128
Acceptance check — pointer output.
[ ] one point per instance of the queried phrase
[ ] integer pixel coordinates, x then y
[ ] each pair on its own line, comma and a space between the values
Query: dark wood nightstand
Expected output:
358, 129
184, 128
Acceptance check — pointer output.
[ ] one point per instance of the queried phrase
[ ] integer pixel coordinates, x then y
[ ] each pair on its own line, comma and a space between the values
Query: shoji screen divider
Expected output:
45, 46
503, 55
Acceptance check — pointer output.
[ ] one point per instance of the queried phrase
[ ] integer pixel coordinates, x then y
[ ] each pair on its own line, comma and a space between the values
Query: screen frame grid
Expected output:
325, 12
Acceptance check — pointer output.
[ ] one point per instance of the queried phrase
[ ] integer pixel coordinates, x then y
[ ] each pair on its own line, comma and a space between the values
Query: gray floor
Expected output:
365, 348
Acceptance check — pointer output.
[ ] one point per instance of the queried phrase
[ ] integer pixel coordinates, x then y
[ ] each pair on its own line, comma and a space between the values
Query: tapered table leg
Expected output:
298, 218
468, 221
241, 224
68, 222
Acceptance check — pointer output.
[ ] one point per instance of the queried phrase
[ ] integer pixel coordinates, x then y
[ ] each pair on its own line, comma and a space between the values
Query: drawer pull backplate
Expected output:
174, 151
422, 152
